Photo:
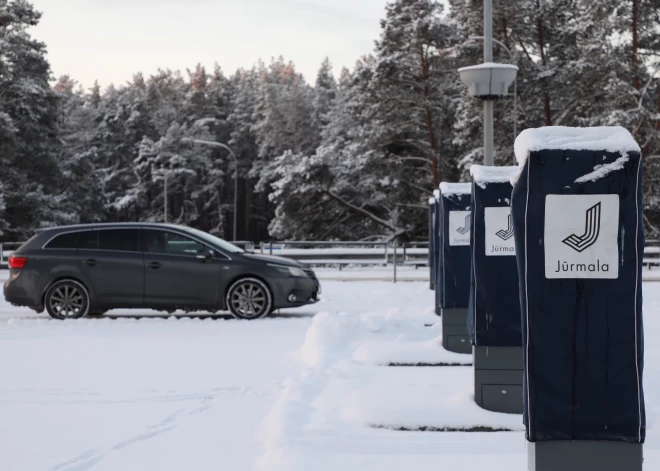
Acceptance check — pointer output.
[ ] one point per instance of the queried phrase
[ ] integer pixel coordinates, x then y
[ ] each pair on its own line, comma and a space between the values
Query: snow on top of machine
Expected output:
455, 188
483, 175
606, 138
603, 170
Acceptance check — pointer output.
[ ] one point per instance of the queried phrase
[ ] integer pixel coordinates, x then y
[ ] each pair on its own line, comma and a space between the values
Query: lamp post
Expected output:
488, 81
489, 106
515, 83
220, 145
165, 197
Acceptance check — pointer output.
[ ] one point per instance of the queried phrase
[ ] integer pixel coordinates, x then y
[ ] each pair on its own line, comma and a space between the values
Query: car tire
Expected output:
249, 299
67, 299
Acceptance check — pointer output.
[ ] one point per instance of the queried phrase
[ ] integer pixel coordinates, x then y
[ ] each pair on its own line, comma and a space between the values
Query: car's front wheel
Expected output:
249, 298
67, 299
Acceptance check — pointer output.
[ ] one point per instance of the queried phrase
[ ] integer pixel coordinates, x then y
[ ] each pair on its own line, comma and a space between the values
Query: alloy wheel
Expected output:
67, 300
249, 300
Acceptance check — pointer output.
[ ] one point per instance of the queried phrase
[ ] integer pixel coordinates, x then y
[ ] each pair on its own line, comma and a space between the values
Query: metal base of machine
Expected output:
584, 456
498, 378
455, 336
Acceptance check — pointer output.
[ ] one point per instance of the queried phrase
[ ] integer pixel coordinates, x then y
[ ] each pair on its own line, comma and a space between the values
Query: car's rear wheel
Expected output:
249, 298
67, 299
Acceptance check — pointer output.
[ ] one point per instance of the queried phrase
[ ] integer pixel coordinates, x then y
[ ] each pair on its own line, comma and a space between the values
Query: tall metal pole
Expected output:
489, 140
515, 115
233, 156
235, 195
512, 56
165, 197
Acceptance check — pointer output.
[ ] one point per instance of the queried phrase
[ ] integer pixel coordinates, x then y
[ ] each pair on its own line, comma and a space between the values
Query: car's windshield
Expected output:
218, 242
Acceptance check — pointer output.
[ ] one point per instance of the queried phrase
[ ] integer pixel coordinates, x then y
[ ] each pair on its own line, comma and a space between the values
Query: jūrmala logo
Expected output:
466, 228
591, 231
506, 235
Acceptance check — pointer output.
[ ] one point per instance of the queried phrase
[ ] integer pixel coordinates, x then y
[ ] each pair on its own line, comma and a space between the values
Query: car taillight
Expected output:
17, 262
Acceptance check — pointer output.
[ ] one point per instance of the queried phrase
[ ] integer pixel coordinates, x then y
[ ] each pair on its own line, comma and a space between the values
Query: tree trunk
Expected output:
429, 120
635, 41
546, 98
432, 143
657, 123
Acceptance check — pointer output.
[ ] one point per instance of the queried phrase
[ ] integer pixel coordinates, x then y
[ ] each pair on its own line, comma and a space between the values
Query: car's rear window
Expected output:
74, 240
64, 241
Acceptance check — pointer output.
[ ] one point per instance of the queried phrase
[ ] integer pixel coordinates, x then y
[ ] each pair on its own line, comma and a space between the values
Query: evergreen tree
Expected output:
325, 92
77, 129
414, 84
346, 159
28, 126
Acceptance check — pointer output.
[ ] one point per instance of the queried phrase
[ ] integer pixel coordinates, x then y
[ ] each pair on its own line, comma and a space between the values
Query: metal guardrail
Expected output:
324, 253
244, 244
6, 248
341, 254
652, 254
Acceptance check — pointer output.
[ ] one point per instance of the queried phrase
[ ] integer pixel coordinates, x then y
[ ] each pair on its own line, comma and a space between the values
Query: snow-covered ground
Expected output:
308, 389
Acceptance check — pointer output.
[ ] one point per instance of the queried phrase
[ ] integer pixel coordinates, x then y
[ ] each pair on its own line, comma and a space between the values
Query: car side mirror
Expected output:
205, 255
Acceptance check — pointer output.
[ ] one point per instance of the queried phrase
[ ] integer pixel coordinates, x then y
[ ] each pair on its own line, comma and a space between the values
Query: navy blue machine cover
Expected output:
453, 271
581, 295
437, 255
494, 311
433, 236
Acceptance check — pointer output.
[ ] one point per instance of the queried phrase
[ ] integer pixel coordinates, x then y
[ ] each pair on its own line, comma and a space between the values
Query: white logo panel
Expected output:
499, 232
581, 236
459, 227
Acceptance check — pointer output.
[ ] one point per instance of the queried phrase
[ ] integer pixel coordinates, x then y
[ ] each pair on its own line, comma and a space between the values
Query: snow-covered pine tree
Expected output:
284, 112
28, 126
283, 123
325, 93
332, 193
84, 193
383, 148
416, 80
243, 141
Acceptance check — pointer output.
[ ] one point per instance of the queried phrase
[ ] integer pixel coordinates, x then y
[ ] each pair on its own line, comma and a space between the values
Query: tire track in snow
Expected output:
52, 396
88, 459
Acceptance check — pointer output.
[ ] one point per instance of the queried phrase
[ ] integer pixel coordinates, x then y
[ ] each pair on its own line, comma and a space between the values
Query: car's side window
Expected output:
121, 240
165, 242
74, 240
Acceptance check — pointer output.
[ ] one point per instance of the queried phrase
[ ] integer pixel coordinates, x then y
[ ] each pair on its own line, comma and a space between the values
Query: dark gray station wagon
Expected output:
75, 271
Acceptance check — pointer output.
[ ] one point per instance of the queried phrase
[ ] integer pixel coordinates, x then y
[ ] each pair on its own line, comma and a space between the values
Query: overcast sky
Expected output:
110, 40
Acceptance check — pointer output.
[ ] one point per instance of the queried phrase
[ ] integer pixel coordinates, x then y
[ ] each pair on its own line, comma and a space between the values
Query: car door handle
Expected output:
91, 262
155, 265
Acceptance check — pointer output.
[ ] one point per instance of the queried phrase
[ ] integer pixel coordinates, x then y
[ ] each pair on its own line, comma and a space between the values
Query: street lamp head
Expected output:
488, 81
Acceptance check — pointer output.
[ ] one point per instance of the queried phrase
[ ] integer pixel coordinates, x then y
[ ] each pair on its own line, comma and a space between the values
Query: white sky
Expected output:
110, 40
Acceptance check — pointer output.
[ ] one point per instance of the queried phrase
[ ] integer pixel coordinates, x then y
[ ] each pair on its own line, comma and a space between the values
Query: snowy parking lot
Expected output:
306, 389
